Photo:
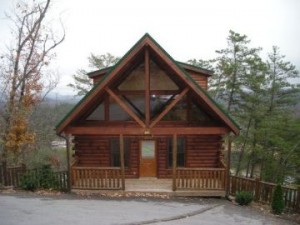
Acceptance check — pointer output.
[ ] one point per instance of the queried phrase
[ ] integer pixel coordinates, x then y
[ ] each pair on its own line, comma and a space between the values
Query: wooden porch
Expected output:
187, 182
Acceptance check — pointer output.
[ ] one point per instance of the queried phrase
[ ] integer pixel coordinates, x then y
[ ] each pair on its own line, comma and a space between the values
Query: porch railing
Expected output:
96, 177
200, 178
263, 191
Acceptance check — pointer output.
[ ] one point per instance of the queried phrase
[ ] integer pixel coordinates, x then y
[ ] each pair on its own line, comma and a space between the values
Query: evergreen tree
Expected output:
277, 200
82, 83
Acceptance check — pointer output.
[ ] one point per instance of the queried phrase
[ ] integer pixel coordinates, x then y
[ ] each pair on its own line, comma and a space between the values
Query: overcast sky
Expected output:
185, 29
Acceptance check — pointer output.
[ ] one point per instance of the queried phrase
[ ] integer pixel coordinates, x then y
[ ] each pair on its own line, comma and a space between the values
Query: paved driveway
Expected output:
67, 209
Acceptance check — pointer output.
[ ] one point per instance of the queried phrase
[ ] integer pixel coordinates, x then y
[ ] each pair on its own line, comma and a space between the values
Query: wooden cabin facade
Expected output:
148, 116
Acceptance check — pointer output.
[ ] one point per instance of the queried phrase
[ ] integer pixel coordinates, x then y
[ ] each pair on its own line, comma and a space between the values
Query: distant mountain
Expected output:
58, 98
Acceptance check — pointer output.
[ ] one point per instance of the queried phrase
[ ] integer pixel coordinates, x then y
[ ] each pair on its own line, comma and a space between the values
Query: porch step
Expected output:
148, 184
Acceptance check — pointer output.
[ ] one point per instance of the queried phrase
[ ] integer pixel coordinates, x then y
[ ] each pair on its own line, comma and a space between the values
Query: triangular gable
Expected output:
126, 60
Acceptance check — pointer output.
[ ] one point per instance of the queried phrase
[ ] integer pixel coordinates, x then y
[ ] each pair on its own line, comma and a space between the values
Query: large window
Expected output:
115, 152
180, 152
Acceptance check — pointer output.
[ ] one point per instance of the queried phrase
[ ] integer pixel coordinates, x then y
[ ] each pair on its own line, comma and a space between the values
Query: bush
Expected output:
40, 178
277, 200
29, 182
47, 178
243, 198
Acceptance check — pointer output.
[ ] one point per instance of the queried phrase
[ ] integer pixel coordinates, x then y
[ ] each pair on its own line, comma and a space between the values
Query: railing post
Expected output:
122, 161
5, 179
257, 190
228, 167
68, 145
174, 160
298, 200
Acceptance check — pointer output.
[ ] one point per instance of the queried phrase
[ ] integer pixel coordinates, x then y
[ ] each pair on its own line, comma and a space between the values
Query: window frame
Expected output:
115, 153
179, 151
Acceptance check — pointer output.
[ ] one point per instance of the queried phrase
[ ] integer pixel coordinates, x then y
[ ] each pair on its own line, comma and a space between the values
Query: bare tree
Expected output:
24, 73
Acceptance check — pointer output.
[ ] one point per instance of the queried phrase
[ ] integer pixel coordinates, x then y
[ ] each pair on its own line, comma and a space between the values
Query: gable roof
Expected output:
111, 72
186, 66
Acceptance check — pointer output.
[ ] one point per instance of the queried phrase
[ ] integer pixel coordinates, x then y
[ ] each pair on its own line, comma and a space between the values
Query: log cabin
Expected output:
149, 116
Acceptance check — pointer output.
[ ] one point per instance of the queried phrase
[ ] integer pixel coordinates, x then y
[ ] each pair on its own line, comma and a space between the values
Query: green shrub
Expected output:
47, 178
40, 178
277, 200
29, 182
243, 198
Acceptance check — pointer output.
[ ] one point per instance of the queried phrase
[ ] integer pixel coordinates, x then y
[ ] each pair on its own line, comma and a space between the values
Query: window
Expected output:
97, 114
180, 152
115, 152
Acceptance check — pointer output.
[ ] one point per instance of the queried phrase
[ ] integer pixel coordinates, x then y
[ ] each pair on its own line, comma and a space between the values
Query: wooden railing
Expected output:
96, 177
200, 178
11, 176
263, 191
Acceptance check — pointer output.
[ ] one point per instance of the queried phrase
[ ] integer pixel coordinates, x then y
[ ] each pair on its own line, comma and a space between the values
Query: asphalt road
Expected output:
37, 210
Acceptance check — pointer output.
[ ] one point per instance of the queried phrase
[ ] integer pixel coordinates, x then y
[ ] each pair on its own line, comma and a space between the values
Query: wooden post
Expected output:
122, 161
298, 200
174, 160
5, 180
68, 145
228, 167
147, 88
257, 190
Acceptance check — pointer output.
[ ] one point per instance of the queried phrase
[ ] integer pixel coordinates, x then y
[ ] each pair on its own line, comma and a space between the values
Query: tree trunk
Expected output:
242, 152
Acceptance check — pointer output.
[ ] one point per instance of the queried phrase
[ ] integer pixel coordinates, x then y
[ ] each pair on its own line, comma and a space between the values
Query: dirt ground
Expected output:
22, 208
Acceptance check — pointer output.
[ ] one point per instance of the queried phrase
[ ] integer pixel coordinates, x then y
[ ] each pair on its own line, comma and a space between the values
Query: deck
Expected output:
149, 185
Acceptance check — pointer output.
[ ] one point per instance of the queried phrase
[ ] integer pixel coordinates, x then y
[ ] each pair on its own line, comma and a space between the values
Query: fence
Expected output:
11, 176
263, 191
15, 175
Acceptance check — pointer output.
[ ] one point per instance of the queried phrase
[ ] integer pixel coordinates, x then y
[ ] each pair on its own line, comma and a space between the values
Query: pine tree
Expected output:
277, 200
82, 83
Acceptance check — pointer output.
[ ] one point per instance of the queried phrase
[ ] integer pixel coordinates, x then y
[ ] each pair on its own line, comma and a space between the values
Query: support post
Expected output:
147, 88
257, 190
68, 145
122, 161
5, 180
298, 200
228, 166
174, 160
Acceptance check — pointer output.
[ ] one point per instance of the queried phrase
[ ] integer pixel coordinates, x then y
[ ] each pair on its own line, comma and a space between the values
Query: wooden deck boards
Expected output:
144, 186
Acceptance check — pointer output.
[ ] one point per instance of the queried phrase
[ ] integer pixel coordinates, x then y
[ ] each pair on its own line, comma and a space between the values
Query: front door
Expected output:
147, 158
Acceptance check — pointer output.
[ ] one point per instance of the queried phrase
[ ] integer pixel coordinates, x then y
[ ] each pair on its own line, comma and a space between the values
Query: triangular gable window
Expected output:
116, 113
178, 112
197, 115
135, 81
97, 114
159, 80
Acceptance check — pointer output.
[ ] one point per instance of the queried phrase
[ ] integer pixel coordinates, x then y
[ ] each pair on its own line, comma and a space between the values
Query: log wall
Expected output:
201, 80
94, 151
201, 151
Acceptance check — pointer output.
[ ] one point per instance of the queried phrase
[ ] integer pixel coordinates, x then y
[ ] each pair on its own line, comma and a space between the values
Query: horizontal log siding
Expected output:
162, 158
94, 151
200, 79
133, 168
203, 151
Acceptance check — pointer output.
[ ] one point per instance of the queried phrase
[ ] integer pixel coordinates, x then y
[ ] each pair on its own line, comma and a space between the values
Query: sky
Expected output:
185, 29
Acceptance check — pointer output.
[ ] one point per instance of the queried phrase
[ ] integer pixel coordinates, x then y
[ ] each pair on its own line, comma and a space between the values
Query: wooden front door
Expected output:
147, 158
